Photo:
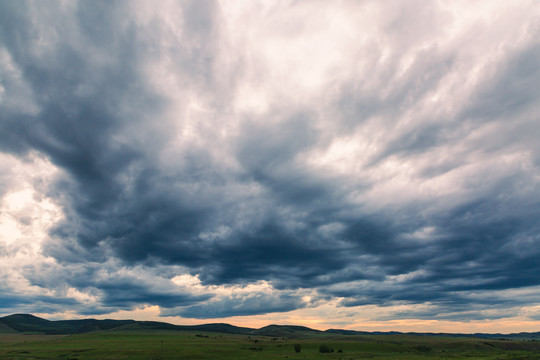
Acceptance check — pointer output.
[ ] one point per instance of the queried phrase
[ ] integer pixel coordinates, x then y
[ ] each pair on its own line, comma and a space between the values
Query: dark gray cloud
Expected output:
399, 182
12, 302
254, 304
112, 288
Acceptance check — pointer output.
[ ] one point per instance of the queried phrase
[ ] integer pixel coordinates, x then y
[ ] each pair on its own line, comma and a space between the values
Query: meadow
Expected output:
157, 345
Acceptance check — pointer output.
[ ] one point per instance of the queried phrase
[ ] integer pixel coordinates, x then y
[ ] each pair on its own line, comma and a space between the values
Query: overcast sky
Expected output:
370, 165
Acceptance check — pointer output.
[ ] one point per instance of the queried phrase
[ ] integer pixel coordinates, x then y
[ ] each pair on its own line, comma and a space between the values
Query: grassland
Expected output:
157, 345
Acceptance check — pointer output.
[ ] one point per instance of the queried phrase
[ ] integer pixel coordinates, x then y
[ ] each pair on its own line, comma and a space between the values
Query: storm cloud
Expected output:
188, 155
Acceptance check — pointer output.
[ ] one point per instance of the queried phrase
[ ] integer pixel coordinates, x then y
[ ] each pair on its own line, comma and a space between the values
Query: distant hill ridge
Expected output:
26, 323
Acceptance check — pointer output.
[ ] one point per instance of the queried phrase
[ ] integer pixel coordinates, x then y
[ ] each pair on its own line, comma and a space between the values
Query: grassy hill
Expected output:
287, 331
32, 324
26, 323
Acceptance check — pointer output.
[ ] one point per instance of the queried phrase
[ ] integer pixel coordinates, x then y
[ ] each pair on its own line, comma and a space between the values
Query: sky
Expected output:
366, 165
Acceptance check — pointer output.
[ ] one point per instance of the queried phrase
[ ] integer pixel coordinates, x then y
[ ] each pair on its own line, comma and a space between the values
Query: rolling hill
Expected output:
26, 323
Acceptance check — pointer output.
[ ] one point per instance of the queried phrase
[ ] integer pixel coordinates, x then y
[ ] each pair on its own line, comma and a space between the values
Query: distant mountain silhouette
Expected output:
26, 323
34, 324
517, 336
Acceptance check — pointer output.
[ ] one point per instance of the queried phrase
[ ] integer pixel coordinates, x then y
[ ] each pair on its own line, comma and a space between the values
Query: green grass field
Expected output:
189, 345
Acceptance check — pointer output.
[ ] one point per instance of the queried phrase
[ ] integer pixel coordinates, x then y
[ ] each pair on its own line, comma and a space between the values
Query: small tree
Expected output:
325, 349
297, 348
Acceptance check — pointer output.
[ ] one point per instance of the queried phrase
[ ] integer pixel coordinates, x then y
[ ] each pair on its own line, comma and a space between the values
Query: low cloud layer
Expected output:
364, 154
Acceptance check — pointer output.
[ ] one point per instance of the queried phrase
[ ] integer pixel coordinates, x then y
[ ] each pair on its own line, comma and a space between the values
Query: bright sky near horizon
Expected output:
367, 165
